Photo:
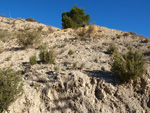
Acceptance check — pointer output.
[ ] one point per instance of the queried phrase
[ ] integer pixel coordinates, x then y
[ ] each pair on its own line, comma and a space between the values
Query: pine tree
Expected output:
75, 18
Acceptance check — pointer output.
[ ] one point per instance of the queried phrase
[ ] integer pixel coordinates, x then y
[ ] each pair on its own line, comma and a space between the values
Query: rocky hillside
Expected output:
80, 81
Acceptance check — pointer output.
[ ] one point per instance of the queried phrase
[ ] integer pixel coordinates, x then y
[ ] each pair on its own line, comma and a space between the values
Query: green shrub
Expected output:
8, 58
33, 60
91, 30
56, 68
66, 40
70, 52
82, 34
86, 32
30, 19
10, 87
74, 65
75, 18
129, 66
112, 48
5, 35
103, 68
29, 38
47, 56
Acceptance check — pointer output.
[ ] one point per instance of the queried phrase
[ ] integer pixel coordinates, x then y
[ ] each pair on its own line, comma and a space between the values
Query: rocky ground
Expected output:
78, 83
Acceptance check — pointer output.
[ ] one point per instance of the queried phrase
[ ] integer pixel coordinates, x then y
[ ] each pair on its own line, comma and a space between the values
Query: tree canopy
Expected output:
75, 18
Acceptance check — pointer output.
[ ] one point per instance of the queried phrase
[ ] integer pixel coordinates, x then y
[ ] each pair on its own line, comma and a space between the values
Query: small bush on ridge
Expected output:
30, 19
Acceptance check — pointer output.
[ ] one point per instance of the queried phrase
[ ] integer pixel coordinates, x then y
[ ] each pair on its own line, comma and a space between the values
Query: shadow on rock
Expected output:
69, 104
109, 77
15, 49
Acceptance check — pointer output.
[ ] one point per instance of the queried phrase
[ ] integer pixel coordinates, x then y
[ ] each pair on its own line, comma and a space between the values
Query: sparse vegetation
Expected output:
75, 18
8, 58
5, 35
132, 33
81, 35
30, 19
112, 48
47, 56
66, 39
129, 66
74, 65
56, 68
33, 60
91, 30
10, 87
29, 38
70, 52
88, 32
51, 29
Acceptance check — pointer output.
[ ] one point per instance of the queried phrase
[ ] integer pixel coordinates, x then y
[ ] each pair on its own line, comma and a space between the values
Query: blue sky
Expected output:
126, 15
